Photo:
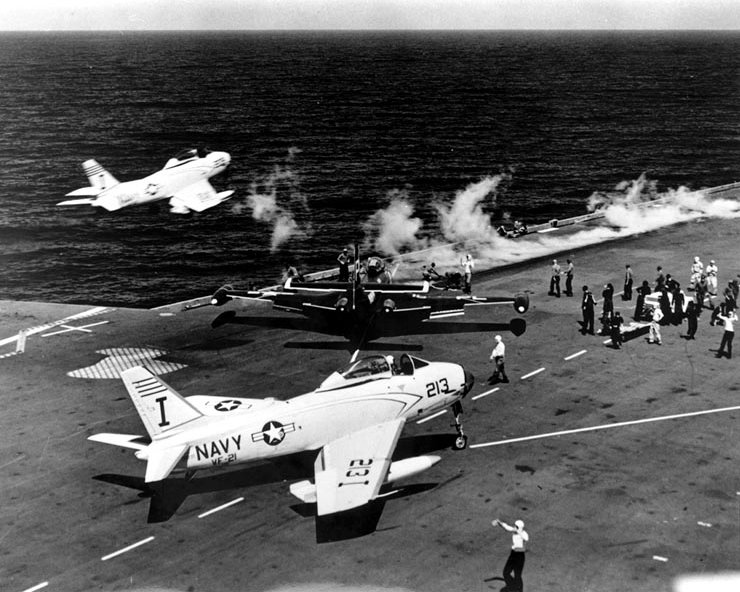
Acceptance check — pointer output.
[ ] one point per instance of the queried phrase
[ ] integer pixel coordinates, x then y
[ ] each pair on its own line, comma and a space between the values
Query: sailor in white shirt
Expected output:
729, 318
515, 563
497, 356
711, 273
467, 264
657, 316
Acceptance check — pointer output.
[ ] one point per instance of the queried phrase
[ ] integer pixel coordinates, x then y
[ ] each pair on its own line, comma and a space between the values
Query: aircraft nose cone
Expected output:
469, 382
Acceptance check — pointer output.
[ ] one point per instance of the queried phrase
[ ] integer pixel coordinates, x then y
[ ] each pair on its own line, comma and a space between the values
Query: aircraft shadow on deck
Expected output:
167, 496
516, 326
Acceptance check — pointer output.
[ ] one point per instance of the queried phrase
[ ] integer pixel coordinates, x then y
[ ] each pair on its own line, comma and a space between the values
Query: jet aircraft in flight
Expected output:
353, 421
184, 180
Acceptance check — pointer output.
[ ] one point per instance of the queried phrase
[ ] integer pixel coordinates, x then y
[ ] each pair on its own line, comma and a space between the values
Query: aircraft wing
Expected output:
198, 197
454, 306
350, 471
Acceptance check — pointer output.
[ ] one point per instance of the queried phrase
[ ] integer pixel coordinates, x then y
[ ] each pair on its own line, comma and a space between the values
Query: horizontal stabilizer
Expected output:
133, 441
85, 192
161, 461
88, 201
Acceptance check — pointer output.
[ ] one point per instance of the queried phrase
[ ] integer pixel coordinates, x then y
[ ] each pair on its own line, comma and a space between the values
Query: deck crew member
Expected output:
711, 273
656, 316
660, 280
627, 294
608, 306
691, 319
515, 563
468, 264
569, 268
697, 268
700, 292
555, 279
344, 260
642, 291
616, 330
497, 357
729, 319
587, 308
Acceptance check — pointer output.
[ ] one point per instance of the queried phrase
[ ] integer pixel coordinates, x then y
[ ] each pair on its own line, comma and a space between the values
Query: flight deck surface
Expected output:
607, 509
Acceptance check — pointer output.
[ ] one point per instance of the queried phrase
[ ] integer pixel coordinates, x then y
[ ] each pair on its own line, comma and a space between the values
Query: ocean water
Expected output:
326, 130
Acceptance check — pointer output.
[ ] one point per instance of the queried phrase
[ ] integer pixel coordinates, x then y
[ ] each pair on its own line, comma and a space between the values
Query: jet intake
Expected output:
341, 304
221, 296
521, 303
389, 305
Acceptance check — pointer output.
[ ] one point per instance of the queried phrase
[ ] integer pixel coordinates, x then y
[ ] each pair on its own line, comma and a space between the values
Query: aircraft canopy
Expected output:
190, 153
372, 368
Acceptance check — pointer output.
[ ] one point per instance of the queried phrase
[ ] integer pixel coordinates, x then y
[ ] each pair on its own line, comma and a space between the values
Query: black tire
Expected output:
461, 443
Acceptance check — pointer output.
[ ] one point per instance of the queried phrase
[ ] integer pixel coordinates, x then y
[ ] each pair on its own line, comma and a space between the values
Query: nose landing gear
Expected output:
461, 442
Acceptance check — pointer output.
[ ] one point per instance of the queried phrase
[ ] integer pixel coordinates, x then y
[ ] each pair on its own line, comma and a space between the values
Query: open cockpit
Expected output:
372, 368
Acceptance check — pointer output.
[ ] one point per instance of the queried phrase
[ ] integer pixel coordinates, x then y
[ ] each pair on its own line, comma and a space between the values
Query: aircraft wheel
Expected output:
461, 443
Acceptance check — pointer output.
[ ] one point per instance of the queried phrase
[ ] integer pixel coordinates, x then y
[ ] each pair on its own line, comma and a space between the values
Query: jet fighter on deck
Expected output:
362, 312
184, 180
352, 421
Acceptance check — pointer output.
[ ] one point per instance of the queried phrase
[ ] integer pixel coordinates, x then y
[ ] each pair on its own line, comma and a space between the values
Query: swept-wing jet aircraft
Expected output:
364, 312
353, 422
184, 180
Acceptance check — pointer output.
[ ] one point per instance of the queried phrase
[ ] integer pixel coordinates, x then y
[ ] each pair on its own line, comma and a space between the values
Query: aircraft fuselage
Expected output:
174, 177
310, 421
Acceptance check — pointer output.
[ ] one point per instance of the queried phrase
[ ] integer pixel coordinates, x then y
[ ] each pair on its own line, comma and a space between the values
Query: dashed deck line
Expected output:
575, 355
533, 373
485, 394
37, 587
126, 549
221, 507
426, 419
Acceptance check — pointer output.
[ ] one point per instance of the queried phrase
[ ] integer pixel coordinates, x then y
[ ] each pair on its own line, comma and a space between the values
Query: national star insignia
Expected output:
273, 432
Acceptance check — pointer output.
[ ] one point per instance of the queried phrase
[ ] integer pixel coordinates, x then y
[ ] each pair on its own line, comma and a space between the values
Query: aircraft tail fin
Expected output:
160, 407
99, 178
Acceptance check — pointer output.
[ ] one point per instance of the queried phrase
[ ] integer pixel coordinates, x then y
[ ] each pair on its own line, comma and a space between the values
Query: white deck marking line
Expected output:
125, 549
98, 310
68, 329
484, 394
608, 340
426, 419
575, 355
222, 507
37, 587
532, 373
606, 426
706, 524
659, 558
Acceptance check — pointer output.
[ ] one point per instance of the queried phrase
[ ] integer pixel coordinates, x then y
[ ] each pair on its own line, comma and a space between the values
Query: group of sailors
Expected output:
665, 303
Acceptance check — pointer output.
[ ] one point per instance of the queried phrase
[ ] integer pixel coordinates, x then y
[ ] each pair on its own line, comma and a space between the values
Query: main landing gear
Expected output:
461, 442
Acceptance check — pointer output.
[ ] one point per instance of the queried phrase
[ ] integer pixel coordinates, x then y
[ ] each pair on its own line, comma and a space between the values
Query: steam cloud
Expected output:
633, 207
265, 199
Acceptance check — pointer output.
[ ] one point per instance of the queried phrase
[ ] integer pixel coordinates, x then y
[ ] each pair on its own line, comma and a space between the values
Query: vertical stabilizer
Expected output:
98, 176
161, 408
